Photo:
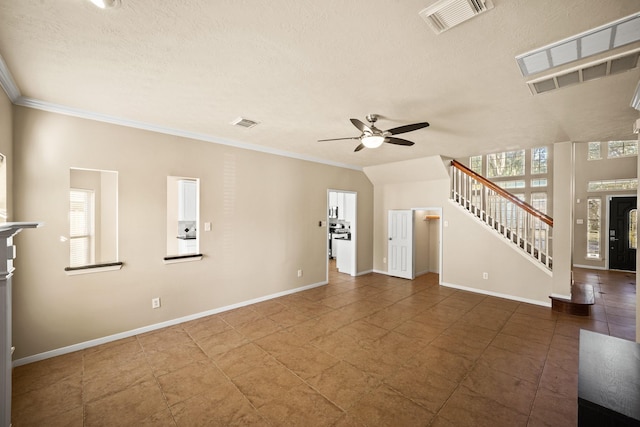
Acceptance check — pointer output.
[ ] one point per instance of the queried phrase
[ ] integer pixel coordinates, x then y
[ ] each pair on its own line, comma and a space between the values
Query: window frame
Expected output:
509, 167
625, 153
597, 242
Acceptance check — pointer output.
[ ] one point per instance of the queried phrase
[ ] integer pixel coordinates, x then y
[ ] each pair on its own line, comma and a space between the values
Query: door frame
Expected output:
439, 210
354, 233
608, 198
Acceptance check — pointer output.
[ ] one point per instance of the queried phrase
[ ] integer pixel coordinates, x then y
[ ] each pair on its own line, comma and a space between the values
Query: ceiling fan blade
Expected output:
361, 126
398, 141
407, 128
337, 139
359, 147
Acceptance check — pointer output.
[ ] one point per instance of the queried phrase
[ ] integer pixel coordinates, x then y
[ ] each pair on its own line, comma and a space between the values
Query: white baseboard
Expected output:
362, 273
561, 296
497, 294
144, 329
590, 267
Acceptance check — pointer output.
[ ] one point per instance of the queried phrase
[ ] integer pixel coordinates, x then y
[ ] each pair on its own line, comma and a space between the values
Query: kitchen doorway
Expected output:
342, 231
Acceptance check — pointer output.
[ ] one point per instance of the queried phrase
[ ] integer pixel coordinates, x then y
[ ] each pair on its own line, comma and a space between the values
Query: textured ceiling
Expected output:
302, 68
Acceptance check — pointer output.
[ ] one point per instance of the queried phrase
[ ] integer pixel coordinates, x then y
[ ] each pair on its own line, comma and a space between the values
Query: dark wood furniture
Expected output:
608, 381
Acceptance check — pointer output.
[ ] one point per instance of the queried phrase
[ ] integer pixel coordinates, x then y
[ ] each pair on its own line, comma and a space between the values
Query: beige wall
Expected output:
264, 211
469, 248
625, 167
6, 137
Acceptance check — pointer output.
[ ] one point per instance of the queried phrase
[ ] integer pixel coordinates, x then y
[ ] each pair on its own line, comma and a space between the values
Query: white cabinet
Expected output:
187, 200
333, 198
340, 204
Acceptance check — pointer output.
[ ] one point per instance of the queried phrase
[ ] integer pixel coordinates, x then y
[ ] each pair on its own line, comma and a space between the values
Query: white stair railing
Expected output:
526, 227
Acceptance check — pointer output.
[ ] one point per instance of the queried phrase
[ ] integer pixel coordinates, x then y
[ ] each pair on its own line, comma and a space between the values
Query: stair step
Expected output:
582, 298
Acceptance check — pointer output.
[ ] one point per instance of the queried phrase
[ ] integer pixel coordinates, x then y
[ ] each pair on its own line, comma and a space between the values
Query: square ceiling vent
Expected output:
243, 122
445, 14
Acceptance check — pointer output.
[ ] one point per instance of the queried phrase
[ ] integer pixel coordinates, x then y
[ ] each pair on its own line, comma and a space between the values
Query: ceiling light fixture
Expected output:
372, 141
106, 4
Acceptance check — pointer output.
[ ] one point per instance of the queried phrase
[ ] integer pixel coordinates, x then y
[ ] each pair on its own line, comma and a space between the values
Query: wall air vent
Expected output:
245, 123
594, 70
445, 14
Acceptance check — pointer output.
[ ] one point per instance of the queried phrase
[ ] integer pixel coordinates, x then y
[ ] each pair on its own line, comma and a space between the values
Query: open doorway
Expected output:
414, 243
342, 231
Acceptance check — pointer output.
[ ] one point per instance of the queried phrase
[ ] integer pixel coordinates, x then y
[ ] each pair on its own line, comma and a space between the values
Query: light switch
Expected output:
579, 221
207, 226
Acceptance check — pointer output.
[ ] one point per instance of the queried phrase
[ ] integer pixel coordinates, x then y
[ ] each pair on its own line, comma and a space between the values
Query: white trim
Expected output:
7, 82
150, 328
75, 112
554, 295
590, 267
496, 294
362, 273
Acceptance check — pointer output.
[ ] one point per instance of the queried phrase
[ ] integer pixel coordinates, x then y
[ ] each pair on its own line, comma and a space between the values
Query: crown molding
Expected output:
7, 82
11, 89
89, 115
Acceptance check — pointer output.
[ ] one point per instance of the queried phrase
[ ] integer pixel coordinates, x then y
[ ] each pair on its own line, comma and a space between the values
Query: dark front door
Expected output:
622, 233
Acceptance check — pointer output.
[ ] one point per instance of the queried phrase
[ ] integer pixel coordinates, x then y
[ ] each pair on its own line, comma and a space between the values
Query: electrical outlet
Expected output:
300, 273
384, 260
485, 275
155, 302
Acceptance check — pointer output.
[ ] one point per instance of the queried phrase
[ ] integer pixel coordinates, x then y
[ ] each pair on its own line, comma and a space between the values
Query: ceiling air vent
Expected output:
445, 14
594, 70
245, 123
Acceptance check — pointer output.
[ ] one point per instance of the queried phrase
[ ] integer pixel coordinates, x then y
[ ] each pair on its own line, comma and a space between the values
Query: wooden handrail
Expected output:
502, 192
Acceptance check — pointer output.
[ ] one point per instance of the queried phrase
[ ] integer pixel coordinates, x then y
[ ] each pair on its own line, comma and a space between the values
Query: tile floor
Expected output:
372, 350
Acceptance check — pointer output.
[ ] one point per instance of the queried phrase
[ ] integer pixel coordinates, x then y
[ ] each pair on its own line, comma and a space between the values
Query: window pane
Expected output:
613, 185
622, 148
475, 163
539, 201
80, 227
505, 164
633, 230
510, 184
539, 160
593, 227
542, 182
594, 151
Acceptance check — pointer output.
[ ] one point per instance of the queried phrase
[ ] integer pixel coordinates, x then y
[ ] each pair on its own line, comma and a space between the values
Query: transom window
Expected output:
594, 151
509, 163
613, 185
511, 184
539, 182
622, 149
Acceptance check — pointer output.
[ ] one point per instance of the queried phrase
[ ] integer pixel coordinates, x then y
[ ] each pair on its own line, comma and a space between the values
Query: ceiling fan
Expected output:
372, 137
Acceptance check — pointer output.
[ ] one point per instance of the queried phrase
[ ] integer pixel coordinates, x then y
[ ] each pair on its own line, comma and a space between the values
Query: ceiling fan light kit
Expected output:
372, 141
106, 4
372, 137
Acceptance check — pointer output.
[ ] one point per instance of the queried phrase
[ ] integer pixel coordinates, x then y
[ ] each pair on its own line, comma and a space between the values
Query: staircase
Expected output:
528, 229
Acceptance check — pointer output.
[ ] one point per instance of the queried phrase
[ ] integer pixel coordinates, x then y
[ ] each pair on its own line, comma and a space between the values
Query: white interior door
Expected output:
400, 255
